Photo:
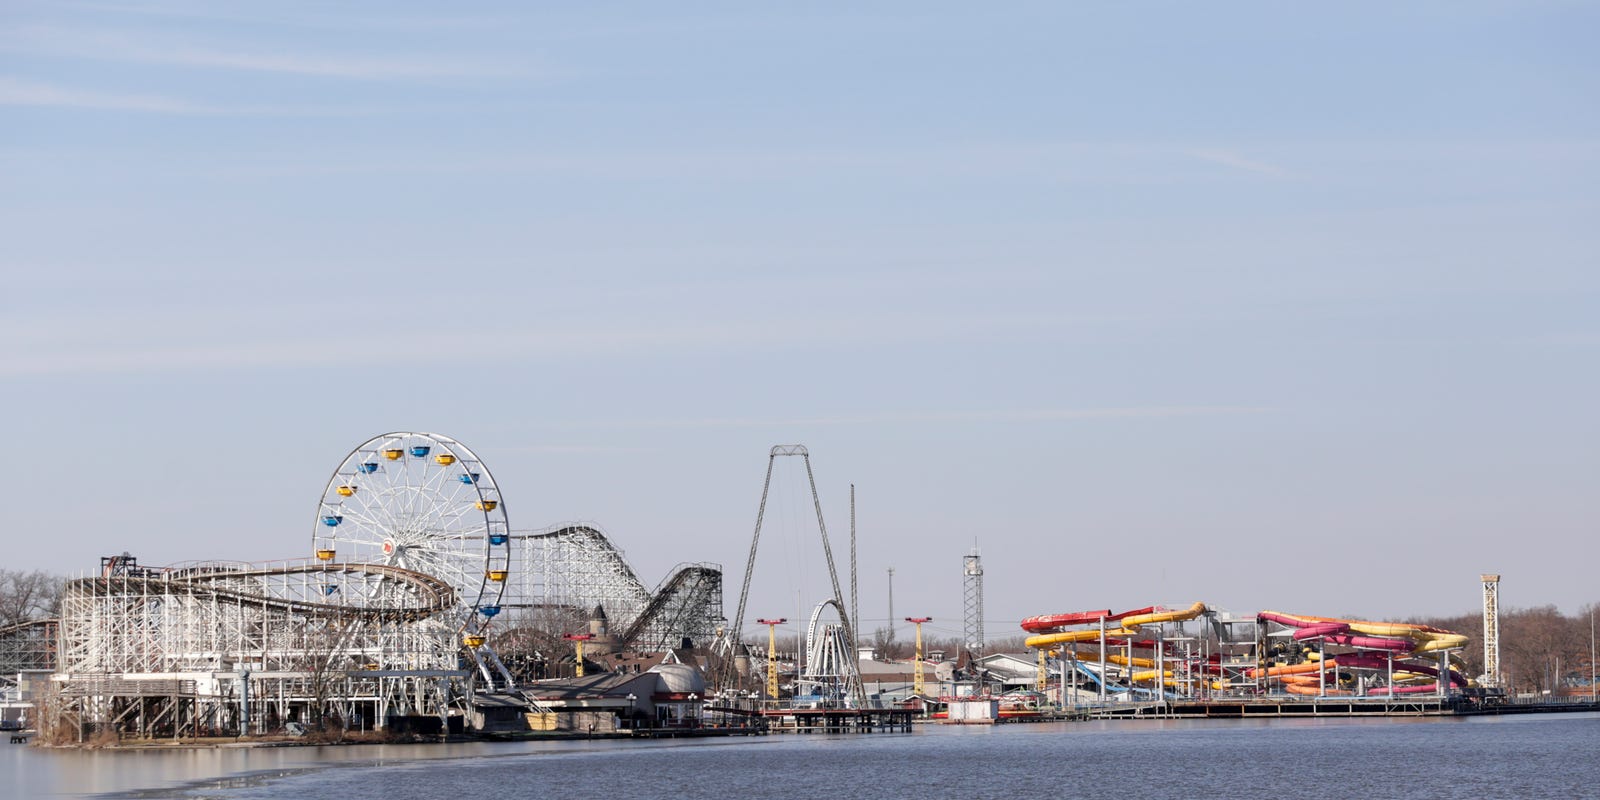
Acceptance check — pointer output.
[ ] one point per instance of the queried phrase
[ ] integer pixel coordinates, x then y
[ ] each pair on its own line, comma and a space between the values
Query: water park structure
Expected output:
1147, 660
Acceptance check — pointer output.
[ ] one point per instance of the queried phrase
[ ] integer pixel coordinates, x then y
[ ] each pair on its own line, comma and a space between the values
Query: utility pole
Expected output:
916, 674
772, 654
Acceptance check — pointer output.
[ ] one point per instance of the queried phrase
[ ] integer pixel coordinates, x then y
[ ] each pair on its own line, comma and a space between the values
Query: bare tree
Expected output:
325, 660
26, 596
1541, 648
885, 646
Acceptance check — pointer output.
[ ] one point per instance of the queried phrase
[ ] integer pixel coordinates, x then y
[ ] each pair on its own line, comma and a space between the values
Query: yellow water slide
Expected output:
1129, 627
1157, 617
1142, 663
1431, 641
1069, 637
1145, 676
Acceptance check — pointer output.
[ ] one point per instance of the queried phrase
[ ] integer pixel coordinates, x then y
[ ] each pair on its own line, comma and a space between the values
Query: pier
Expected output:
838, 720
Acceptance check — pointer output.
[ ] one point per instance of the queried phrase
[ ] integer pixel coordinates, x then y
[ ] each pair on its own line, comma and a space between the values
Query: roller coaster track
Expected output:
23, 628
27, 646
405, 594
573, 568
676, 600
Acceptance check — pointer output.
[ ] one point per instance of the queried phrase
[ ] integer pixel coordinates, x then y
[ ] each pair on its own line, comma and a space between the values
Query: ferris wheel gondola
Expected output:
424, 502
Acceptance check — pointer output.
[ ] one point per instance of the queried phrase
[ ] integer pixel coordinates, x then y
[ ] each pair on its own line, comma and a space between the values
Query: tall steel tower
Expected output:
1491, 630
973, 595
852, 676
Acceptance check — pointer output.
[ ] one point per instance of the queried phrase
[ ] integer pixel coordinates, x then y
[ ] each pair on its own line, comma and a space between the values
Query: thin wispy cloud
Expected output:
16, 92
1236, 161
274, 14
1064, 162
305, 64
239, 56
990, 415
153, 343
571, 449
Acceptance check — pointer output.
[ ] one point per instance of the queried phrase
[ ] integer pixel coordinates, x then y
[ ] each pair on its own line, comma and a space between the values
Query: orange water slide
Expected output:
1309, 667
1313, 689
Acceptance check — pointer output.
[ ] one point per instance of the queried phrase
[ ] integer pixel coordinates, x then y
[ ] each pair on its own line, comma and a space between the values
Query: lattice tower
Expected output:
972, 595
1491, 629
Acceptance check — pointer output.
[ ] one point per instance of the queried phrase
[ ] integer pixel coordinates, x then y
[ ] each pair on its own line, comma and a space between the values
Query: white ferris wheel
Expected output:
423, 502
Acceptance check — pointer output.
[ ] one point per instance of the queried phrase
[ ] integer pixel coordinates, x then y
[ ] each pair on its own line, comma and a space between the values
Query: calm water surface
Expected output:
1509, 757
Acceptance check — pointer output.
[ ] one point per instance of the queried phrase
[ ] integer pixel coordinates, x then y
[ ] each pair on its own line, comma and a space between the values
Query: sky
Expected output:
1268, 306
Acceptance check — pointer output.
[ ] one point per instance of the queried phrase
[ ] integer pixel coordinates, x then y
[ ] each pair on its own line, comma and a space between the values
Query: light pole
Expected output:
632, 698
693, 715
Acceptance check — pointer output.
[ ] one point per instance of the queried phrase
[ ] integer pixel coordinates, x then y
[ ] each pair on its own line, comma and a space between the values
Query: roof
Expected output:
605, 684
498, 701
1011, 665
892, 669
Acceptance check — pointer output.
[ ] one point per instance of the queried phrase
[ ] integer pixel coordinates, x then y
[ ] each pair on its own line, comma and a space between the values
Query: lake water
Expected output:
1482, 757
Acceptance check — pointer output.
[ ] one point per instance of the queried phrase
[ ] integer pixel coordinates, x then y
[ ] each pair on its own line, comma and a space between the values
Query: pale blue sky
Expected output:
1267, 306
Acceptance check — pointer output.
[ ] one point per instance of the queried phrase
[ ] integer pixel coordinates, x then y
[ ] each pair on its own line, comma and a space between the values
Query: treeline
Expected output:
1541, 649
29, 595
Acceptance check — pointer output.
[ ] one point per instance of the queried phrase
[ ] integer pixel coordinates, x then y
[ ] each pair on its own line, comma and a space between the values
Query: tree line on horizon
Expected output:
1541, 649
29, 595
